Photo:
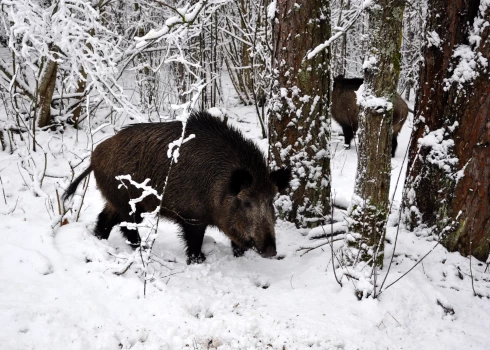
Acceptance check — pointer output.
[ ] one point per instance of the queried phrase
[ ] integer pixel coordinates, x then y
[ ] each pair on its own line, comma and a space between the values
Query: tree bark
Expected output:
448, 177
82, 84
369, 209
298, 123
47, 83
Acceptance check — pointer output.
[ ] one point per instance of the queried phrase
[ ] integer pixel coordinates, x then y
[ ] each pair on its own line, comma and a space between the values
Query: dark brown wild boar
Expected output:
345, 110
221, 179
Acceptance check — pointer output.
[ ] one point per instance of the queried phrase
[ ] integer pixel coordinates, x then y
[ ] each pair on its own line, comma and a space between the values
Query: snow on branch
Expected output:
271, 10
469, 63
147, 191
340, 31
72, 34
174, 147
184, 15
368, 100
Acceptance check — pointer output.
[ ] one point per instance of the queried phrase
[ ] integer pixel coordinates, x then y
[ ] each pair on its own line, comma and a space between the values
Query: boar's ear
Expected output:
281, 178
240, 179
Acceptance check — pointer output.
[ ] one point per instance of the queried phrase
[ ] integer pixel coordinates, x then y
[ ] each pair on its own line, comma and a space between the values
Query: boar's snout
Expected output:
268, 248
269, 252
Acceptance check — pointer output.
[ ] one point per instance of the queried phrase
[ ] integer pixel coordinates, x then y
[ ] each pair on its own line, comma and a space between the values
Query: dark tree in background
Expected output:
369, 210
298, 128
448, 177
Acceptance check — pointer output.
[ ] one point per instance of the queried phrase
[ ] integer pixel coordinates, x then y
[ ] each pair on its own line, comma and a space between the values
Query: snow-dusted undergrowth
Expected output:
58, 289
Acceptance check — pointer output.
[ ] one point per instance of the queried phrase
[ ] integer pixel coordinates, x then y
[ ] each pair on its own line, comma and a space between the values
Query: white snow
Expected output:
469, 62
368, 100
440, 149
271, 10
433, 39
58, 289
183, 17
369, 62
220, 113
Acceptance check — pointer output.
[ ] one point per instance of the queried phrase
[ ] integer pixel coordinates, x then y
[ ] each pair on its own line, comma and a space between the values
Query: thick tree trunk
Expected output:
82, 84
369, 210
47, 84
298, 120
448, 177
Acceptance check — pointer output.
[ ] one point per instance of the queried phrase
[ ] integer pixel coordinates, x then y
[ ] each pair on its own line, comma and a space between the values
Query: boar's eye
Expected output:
246, 204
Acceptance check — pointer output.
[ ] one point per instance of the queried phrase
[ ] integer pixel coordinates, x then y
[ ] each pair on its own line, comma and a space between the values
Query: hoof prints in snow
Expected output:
261, 282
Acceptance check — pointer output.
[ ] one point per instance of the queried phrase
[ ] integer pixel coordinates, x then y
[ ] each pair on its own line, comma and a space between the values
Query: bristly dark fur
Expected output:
345, 110
220, 179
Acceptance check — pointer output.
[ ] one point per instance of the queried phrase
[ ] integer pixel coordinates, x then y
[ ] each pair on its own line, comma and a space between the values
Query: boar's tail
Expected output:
73, 186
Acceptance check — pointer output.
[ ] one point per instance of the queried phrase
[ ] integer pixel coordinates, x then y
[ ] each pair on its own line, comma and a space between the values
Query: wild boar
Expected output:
345, 110
220, 179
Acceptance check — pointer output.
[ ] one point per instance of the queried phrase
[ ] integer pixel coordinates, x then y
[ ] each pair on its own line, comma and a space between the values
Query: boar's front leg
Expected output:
237, 250
193, 235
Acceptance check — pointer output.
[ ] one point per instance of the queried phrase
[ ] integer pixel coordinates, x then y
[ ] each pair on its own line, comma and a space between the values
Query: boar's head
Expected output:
248, 209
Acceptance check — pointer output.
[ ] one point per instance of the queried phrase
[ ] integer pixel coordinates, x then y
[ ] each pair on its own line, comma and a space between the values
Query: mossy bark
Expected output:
449, 191
298, 118
369, 212
47, 84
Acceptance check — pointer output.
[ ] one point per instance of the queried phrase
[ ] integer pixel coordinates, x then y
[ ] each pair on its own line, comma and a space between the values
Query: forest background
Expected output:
74, 72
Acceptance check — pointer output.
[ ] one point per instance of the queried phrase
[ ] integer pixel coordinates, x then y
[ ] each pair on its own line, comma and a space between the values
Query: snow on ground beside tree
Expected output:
59, 291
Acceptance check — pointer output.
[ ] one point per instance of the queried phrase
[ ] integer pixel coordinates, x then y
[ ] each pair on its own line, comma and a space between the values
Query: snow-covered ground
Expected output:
58, 289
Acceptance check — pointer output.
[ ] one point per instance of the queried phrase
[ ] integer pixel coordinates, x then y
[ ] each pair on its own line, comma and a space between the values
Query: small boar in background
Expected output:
345, 110
221, 179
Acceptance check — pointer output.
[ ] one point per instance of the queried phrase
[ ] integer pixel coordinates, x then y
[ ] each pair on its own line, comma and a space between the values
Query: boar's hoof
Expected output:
237, 250
346, 146
196, 259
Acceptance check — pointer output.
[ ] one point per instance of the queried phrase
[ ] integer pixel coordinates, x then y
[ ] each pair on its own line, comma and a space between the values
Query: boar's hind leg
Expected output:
348, 135
105, 222
132, 236
193, 235
394, 145
108, 218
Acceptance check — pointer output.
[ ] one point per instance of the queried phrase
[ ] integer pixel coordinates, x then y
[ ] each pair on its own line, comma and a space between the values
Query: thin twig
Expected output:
399, 278
471, 274
3, 190
171, 274
125, 269
399, 214
13, 209
331, 240
309, 249
394, 318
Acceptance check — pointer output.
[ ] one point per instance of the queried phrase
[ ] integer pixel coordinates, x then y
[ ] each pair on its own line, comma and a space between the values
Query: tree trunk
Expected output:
369, 210
82, 84
47, 83
448, 177
298, 120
